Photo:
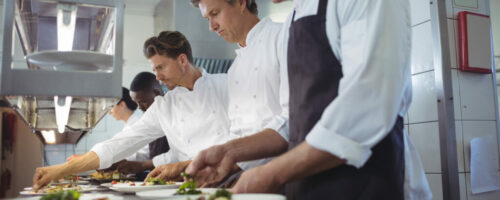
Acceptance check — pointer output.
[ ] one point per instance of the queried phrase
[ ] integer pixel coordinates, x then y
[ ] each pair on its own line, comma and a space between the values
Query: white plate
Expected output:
170, 194
258, 196
84, 189
125, 187
76, 60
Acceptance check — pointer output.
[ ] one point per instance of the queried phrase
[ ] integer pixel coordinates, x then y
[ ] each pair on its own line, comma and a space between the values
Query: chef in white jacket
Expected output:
254, 79
350, 85
193, 114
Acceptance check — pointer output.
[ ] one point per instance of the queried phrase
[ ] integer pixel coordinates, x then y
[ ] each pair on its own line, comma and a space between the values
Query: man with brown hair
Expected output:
192, 115
257, 85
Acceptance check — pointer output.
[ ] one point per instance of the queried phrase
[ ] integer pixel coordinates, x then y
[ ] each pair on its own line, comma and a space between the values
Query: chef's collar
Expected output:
255, 31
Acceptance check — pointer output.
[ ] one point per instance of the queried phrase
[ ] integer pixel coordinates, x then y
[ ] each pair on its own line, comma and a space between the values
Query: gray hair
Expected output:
251, 5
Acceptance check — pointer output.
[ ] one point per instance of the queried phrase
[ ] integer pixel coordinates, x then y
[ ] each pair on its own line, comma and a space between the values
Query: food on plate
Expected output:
62, 195
157, 181
115, 175
188, 187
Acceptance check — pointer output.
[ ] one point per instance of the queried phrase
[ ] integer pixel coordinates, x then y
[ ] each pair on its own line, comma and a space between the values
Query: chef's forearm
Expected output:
301, 162
86, 162
147, 165
267, 143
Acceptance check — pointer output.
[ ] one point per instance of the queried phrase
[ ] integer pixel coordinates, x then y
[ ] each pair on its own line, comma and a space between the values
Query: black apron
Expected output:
314, 75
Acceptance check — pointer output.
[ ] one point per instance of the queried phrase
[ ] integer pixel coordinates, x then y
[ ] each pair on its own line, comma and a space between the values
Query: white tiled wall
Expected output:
473, 95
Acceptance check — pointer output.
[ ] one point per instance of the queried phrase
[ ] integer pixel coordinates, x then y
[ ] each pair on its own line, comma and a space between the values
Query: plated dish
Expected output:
53, 188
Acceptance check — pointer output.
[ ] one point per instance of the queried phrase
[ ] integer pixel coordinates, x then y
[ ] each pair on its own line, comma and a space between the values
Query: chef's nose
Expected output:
213, 25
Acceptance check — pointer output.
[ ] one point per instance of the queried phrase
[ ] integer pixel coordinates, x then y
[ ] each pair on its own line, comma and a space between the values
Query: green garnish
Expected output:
221, 194
62, 195
188, 187
155, 181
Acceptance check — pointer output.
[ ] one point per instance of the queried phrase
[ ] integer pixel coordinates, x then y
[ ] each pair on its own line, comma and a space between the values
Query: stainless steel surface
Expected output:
29, 27
446, 116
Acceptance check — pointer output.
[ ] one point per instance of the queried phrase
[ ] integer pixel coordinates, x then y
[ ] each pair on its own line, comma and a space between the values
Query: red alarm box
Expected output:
474, 42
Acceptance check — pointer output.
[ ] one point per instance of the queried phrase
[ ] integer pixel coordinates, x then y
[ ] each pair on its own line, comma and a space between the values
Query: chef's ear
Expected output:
182, 59
122, 104
243, 5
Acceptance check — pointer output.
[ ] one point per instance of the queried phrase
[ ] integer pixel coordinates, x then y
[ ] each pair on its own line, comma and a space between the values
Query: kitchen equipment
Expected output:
61, 64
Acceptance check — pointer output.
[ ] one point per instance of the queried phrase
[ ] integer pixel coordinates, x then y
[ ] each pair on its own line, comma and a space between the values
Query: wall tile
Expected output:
460, 146
55, 157
453, 43
420, 11
457, 104
463, 186
476, 96
435, 182
422, 57
493, 195
425, 136
424, 106
82, 144
473, 129
55, 147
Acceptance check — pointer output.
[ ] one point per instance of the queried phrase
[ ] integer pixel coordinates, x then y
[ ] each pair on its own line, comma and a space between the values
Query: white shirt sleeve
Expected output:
371, 39
165, 158
129, 140
279, 123
141, 155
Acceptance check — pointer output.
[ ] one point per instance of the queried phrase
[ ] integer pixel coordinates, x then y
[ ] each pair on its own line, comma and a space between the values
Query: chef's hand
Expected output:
44, 175
211, 165
169, 172
256, 180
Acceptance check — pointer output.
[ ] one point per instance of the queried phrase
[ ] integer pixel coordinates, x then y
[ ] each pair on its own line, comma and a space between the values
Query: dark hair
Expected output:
168, 43
251, 5
145, 81
127, 99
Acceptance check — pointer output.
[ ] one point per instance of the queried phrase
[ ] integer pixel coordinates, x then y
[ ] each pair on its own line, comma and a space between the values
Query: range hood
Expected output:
61, 62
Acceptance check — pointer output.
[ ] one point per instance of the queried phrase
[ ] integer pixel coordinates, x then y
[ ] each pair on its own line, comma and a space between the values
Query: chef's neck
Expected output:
127, 115
250, 22
192, 74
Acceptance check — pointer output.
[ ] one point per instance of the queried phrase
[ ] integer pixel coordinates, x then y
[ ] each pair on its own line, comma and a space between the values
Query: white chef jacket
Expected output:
254, 85
143, 153
191, 121
376, 83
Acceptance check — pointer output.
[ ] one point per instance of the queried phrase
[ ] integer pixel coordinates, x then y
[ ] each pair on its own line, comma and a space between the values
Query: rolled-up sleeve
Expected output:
129, 140
372, 40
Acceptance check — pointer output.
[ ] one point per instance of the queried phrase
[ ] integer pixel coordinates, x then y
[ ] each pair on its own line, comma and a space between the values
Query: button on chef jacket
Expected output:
372, 91
255, 87
191, 121
143, 153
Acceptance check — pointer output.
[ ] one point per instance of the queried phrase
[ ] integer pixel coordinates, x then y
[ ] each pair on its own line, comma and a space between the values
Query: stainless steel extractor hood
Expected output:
61, 61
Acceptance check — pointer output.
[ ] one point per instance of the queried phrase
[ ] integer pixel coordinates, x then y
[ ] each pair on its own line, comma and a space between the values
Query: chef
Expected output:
193, 114
349, 79
254, 79
143, 90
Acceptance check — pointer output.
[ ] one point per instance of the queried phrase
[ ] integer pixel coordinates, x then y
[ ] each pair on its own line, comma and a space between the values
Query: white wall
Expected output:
473, 94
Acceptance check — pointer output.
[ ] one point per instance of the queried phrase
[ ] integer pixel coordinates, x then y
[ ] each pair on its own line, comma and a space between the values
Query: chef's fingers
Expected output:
153, 174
